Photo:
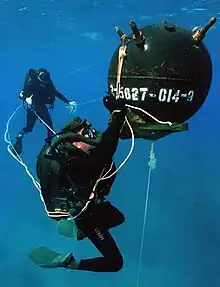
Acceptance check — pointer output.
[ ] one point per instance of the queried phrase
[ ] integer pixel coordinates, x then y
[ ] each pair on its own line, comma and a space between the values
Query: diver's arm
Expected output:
60, 96
106, 148
30, 84
24, 94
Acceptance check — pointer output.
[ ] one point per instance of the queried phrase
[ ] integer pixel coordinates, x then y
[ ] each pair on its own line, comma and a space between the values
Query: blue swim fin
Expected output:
47, 258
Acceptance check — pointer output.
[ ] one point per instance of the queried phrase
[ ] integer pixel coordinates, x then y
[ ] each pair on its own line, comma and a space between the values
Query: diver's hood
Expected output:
74, 126
78, 124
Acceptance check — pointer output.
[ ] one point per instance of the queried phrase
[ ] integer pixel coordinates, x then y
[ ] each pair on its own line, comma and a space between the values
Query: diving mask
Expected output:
87, 130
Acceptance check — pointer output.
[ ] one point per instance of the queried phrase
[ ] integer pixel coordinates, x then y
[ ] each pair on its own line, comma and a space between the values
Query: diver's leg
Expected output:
107, 215
31, 120
45, 116
112, 260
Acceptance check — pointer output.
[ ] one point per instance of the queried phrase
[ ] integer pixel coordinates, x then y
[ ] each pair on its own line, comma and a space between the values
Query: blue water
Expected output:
75, 41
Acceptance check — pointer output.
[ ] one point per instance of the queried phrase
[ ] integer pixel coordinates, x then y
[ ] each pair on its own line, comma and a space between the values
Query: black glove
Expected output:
112, 104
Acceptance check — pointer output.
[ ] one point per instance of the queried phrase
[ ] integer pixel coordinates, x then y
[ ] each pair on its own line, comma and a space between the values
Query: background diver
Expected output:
39, 93
67, 172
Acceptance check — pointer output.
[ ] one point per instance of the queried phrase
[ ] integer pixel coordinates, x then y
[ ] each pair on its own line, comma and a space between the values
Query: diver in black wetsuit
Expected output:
67, 176
39, 92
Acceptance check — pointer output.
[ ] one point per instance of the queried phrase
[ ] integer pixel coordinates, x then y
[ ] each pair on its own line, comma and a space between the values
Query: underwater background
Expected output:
75, 40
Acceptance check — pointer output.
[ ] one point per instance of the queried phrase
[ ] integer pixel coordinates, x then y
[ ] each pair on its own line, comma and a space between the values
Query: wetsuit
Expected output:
98, 218
95, 227
43, 97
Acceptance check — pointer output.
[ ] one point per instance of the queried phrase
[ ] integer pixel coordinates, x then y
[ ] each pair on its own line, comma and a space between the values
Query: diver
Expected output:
39, 93
69, 168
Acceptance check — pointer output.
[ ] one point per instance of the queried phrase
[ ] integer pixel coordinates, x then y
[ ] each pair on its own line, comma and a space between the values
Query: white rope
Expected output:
106, 175
152, 166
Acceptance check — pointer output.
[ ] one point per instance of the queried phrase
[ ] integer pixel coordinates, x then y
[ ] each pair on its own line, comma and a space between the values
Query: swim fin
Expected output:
47, 258
68, 228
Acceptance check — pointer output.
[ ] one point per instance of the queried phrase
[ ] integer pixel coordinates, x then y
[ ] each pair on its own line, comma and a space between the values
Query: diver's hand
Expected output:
71, 107
112, 104
29, 100
72, 103
117, 117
